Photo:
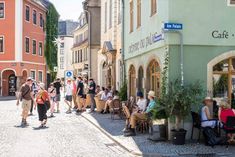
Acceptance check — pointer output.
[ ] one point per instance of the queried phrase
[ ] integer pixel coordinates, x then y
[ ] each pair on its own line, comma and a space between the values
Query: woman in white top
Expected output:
141, 103
206, 118
69, 95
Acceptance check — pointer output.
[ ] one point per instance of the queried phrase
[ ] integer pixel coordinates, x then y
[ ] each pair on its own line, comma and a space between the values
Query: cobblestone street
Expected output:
66, 136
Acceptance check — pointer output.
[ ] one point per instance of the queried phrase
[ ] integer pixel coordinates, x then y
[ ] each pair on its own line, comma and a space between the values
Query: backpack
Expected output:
210, 136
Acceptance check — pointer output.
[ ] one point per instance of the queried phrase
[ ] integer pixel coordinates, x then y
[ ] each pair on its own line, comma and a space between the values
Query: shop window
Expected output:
2, 10
140, 79
33, 75
40, 76
224, 80
1, 44
110, 13
154, 74
138, 13
131, 16
34, 17
153, 7
27, 45
132, 81
27, 13
231, 2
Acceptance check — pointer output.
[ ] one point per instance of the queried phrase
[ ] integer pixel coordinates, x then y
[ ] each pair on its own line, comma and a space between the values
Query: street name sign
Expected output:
173, 26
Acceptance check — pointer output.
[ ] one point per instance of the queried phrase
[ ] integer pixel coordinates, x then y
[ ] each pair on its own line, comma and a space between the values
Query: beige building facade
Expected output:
109, 56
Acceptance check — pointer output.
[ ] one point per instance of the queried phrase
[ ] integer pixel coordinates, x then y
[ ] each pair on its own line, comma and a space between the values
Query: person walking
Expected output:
41, 98
52, 94
92, 93
74, 93
58, 86
80, 94
69, 95
26, 95
35, 90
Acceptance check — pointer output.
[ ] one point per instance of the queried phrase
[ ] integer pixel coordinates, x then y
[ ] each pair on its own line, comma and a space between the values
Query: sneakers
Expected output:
68, 112
52, 115
131, 132
126, 130
31, 114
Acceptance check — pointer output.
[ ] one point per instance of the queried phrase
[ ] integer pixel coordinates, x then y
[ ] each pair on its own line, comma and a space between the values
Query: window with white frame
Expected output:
27, 13
2, 10
26, 44
34, 47
61, 51
41, 20
33, 74
40, 76
34, 17
1, 44
40, 49
61, 45
231, 2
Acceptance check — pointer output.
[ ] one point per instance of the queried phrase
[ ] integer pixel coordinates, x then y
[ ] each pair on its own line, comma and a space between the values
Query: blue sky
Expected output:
68, 9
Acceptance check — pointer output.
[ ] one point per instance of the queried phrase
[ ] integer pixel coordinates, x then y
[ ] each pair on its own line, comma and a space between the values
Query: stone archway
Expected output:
8, 82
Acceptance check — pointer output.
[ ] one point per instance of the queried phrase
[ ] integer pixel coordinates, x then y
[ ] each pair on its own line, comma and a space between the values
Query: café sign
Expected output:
145, 42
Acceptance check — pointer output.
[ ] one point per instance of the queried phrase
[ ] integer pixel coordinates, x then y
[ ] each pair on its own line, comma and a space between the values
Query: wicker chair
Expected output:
116, 108
99, 104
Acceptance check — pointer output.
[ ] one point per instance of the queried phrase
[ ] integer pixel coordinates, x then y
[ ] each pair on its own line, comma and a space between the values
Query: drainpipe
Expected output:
89, 42
123, 55
181, 53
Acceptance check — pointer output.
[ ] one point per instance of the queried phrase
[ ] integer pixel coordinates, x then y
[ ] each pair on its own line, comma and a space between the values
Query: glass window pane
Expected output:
222, 66
220, 85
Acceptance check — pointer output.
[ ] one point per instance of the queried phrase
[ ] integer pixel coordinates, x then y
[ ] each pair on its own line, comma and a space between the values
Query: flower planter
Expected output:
178, 137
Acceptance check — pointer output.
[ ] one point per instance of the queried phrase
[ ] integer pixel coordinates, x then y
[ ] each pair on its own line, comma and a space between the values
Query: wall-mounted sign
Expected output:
222, 34
173, 26
145, 42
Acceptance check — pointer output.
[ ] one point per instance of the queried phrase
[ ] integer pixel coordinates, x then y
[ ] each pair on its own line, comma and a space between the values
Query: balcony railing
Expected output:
80, 43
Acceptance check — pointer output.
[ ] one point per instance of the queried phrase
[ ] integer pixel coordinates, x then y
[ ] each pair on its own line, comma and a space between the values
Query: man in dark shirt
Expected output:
26, 94
57, 86
80, 92
92, 93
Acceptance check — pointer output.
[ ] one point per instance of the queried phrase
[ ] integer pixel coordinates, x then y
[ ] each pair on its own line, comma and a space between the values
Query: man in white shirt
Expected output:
69, 95
141, 103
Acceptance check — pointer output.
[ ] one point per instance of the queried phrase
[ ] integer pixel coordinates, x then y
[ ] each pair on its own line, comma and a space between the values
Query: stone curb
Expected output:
119, 143
113, 139
7, 98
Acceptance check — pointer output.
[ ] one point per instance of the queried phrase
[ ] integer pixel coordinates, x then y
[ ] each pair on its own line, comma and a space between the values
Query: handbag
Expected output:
47, 103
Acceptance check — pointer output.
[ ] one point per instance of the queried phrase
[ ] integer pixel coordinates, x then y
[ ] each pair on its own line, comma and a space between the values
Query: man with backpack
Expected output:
26, 95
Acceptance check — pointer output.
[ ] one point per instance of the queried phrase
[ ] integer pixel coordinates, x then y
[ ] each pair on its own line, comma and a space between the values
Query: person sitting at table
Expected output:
141, 103
100, 93
224, 112
144, 115
206, 118
106, 94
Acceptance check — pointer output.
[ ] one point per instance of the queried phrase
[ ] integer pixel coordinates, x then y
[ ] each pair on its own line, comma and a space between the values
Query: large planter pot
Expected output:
178, 137
162, 131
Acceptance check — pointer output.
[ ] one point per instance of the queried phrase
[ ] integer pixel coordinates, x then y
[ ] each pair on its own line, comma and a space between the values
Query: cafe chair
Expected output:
229, 127
116, 108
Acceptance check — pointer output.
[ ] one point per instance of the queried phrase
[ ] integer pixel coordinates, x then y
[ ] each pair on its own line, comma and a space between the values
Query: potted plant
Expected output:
178, 100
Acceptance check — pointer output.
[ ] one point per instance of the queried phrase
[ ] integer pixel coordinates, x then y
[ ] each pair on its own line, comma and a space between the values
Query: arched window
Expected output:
224, 79
132, 81
154, 73
140, 78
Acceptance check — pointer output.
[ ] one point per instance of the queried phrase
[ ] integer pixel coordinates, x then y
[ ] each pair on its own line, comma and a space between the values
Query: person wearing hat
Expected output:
26, 95
206, 118
144, 115
224, 112
41, 98
69, 95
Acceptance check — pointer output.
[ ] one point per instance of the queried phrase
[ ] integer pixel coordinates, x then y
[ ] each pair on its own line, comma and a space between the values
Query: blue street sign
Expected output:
173, 26
69, 74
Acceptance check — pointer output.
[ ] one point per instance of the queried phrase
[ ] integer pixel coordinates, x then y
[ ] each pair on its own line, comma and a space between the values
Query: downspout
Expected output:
89, 42
181, 53
123, 54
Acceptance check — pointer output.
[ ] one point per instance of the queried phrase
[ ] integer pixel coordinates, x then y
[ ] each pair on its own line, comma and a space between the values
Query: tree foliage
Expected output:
51, 35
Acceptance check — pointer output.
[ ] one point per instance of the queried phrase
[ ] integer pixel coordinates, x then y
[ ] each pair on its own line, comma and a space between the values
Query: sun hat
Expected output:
42, 85
224, 103
29, 79
208, 98
151, 93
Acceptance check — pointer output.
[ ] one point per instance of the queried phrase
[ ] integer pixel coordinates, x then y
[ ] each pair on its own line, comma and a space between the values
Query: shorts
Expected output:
79, 99
84, 96
26, 104
57, 97
69, 98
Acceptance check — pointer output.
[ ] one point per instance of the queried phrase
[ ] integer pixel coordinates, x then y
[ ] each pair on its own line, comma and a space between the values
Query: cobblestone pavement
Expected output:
140, 143
66, 136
